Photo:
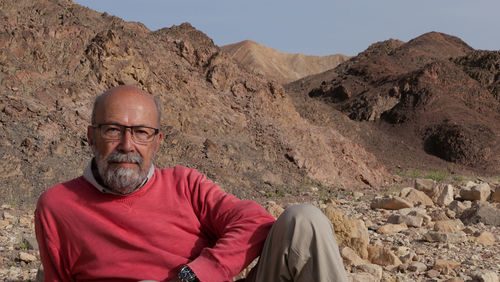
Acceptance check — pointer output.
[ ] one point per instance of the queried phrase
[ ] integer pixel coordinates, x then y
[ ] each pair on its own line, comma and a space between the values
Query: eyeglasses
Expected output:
114, 132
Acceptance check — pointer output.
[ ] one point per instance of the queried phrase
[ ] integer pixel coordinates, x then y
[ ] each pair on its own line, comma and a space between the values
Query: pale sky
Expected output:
317, 27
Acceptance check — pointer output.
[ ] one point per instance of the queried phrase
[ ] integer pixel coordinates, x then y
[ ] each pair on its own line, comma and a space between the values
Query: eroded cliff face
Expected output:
240, 129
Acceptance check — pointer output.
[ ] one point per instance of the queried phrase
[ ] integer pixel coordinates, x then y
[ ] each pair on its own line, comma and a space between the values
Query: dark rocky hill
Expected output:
433, 96
240, 129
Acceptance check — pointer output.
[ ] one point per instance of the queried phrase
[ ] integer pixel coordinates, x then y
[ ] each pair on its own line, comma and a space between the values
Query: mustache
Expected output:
132, 157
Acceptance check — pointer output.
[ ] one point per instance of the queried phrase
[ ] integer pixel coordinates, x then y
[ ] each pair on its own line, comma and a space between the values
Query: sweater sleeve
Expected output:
49, 253
239, 226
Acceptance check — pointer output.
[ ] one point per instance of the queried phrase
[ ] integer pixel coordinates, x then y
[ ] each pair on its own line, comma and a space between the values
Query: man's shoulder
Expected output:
177, 171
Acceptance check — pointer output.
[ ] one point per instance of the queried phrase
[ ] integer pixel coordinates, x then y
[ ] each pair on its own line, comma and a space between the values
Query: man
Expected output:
125, 220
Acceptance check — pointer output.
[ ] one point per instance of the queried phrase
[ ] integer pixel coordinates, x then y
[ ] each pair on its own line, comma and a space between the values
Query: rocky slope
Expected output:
279, 66
237, 127
433, 96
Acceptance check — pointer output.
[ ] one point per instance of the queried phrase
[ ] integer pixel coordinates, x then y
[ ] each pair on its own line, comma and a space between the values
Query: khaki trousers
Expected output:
300, 247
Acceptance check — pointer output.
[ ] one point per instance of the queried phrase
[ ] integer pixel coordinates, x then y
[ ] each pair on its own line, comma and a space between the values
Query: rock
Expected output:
4, 223
9, 217
454, 279
416, 197
459, 207
432, 273
451, 214
445, 195
452, 225
409, 220
30, 242
274, 209
26, 221
382, 255
479, 192
482, 212
485, 276
445, 266
391, 228
361, 277
417, 267
39, 274
428, 186
411, 256
495, 197
357, 195
445, 237
485, 238
27, 257
349, 232
373, 269
438, 215
350, 257
419, 213
470, 230
390, 203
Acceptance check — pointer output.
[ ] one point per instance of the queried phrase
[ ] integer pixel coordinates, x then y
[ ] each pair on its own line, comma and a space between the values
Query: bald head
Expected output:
126, 97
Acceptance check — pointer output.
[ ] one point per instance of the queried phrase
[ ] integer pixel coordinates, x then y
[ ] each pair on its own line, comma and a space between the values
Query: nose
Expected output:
126, 141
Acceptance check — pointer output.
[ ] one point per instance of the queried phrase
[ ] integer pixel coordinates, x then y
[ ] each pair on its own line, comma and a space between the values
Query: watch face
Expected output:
187, 275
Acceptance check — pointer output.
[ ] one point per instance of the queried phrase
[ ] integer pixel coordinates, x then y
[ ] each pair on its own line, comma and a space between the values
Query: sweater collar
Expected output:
88, 174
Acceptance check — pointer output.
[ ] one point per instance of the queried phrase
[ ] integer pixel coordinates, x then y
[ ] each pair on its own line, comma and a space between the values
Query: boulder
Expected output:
451, 225
349, 232
391, 228
437, 215
390, 203
373, 269
478, 192
274, 209
382, 255
445, 266
26, 257
361, 277
495, 197
485, 238
445, 237
350, 257
416, 197
428, 186
459, 207
445, 195
485, 276
417, 267
418, 213
409, 220
482, 212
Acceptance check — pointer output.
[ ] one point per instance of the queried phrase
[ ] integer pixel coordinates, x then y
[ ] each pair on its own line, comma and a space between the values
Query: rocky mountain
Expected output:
433, 96
279, 66
240, 129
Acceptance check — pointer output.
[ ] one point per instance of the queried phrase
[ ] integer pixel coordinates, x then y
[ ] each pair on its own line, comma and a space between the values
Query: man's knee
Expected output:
304, 214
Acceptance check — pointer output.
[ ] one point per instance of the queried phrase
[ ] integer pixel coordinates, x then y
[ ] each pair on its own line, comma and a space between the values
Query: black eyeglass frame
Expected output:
132, 127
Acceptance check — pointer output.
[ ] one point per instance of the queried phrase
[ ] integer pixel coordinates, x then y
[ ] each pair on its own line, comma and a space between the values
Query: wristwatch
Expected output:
187, 275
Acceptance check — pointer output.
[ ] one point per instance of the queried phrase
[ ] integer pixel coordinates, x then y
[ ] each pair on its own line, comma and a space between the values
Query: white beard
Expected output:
121, 179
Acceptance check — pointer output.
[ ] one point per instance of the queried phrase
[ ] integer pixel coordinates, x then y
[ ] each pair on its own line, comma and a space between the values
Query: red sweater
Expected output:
179, 217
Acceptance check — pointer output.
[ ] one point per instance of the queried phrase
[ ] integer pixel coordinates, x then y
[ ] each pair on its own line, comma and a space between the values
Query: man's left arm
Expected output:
240, 226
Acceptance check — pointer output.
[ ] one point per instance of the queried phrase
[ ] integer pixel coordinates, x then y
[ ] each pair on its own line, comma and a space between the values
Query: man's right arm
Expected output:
49, 253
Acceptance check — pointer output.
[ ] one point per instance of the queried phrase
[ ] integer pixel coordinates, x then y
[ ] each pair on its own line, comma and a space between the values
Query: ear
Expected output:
158, 142
90, 135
